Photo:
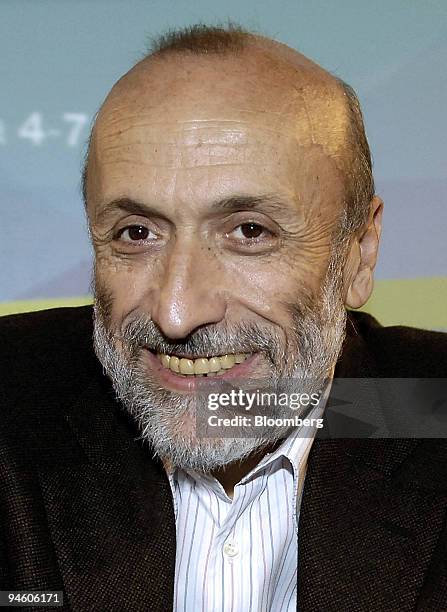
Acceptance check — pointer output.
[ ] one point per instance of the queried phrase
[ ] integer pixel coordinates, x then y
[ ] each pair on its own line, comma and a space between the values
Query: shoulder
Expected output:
18, 324
44, 355
41, 339
400, 351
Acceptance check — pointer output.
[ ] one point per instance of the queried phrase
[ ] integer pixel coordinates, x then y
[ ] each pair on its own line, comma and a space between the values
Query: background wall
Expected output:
59, 58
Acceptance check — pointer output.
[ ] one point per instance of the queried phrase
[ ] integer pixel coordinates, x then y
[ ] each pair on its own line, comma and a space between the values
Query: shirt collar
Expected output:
295, 448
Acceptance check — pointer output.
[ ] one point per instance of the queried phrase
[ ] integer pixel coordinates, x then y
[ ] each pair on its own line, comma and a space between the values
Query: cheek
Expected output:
269, 286
123, 283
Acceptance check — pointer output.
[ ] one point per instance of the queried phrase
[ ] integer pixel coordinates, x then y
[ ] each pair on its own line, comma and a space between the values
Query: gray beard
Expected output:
167, 420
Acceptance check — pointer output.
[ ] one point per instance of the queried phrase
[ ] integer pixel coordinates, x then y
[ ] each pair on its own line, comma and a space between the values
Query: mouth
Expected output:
184, 373
202, 366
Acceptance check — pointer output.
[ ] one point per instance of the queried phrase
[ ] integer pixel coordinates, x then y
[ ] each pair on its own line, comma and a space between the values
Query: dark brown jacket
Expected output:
84, 508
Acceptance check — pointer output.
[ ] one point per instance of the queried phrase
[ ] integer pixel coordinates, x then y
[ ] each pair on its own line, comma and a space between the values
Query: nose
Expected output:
187, 294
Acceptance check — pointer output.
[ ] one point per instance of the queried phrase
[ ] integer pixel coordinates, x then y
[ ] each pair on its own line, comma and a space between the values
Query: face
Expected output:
212, 216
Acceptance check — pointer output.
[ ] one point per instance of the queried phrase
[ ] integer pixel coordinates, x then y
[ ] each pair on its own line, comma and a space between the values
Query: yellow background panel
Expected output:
418, 302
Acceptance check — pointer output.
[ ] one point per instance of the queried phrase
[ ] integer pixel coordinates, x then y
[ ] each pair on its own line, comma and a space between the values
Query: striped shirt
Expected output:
241, 554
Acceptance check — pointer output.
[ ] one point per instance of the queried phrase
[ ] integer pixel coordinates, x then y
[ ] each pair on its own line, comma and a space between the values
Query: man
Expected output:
231, 206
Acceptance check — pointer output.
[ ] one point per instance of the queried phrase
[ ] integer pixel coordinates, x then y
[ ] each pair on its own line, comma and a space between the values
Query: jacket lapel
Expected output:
363, 539
366, 536
109, 509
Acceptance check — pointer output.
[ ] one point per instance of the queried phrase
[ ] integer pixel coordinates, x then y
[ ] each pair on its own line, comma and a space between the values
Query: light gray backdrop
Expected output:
60, 57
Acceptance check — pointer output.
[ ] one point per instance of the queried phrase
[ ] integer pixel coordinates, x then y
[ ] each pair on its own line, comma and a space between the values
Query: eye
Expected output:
250, 231
135, 233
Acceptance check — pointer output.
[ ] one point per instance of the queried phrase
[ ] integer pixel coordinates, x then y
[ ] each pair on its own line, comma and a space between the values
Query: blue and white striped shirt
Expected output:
241, 554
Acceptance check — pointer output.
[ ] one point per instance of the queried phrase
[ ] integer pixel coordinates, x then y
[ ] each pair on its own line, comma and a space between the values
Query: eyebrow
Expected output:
264, 203
268, 203
126, 205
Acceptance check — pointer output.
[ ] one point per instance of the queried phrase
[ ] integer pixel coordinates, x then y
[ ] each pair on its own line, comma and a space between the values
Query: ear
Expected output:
362, 258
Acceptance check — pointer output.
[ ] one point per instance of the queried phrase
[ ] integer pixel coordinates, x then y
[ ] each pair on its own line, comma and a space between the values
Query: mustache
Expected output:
206, 341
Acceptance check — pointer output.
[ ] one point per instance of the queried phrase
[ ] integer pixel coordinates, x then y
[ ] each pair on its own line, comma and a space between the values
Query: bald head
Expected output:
203, 70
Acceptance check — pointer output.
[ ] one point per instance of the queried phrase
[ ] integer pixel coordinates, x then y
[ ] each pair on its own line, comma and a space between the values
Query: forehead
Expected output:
199, 161
223, 117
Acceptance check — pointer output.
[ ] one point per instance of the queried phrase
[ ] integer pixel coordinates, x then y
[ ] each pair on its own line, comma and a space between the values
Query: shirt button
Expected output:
231, 549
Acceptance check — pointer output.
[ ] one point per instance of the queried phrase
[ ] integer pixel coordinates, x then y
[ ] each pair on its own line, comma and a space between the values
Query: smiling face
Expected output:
213, 195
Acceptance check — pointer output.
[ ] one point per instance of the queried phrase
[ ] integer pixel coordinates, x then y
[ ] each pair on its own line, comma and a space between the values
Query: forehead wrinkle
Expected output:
179, 126
189, 149
207, 156
182, 166
321, 122
195, 123
244, 143
193, 138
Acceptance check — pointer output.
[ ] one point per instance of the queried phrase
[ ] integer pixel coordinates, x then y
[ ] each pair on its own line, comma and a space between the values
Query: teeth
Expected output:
214, 364
226, 362
186, 366
174, 364
202, 366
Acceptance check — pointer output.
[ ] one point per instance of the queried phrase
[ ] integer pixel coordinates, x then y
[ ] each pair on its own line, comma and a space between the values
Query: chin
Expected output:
202, 454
